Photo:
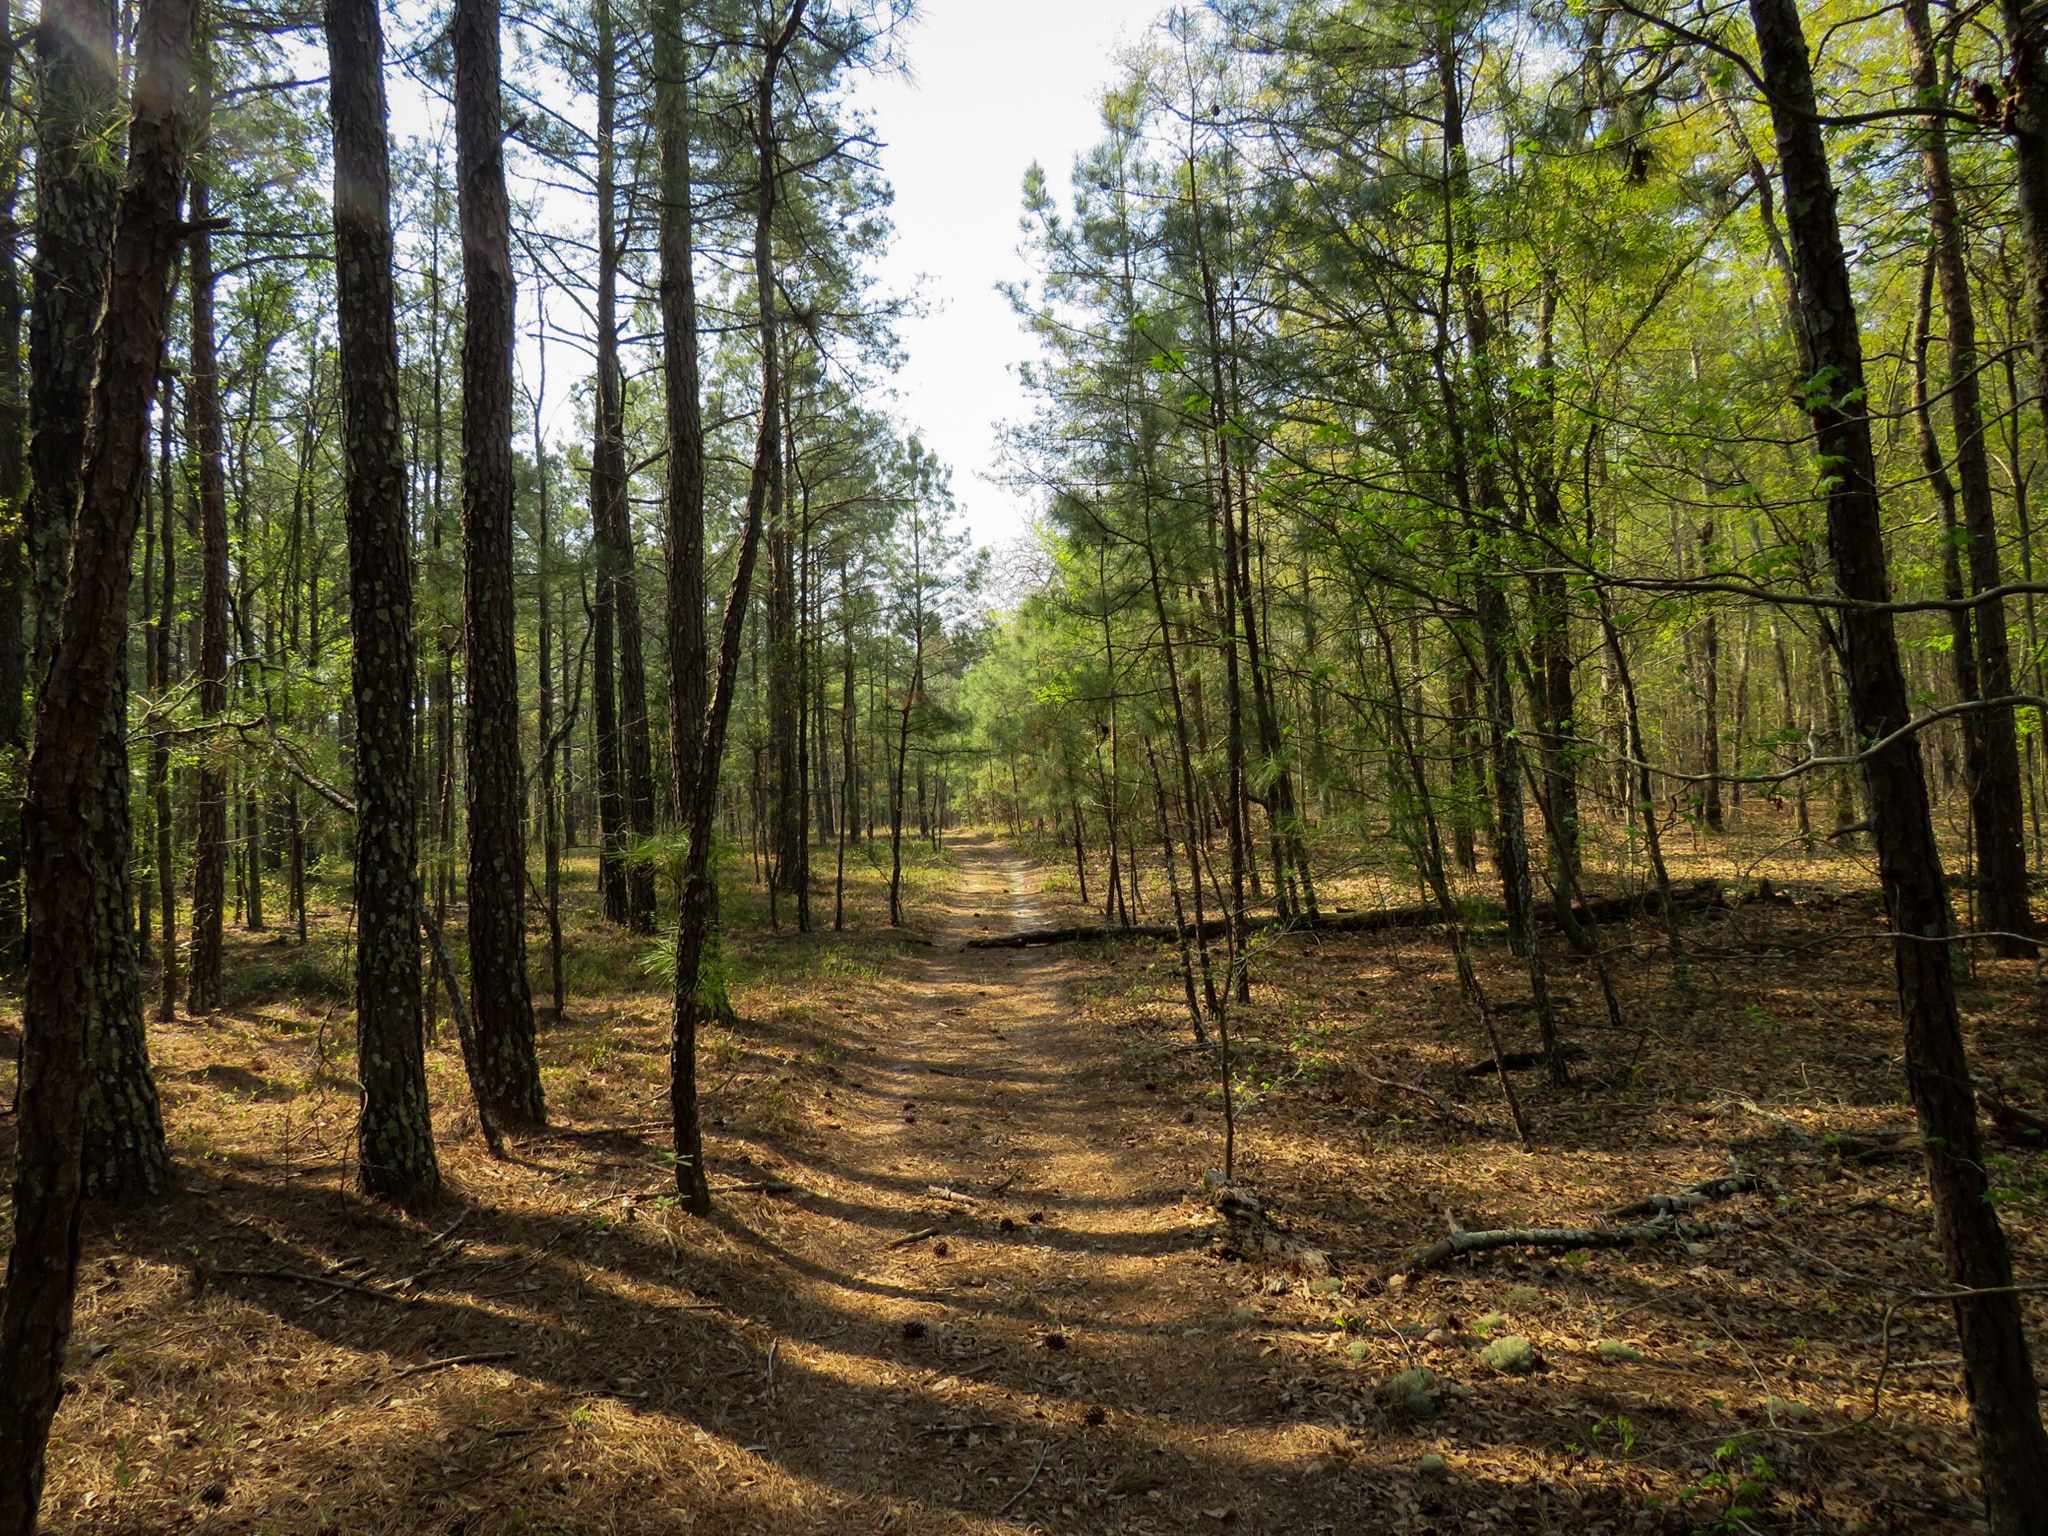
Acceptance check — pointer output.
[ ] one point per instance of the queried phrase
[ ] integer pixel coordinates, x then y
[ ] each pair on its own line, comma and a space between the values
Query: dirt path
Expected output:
1067, 1296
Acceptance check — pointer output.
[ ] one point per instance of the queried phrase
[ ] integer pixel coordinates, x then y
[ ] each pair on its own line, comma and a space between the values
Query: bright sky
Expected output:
991, 88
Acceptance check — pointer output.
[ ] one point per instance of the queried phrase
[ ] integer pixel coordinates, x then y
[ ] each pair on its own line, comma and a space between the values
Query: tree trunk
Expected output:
2025, 115
608, 491
14, 570
124, 1151
63, 786
202, 415
500, 996
160, 743
550, 787
1475, 485
1998, 1373
785, 688
125, 1156
395, 1134
699, 900
684, 492
1996, 810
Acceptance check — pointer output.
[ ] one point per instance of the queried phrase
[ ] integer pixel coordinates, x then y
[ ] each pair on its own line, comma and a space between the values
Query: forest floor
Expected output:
962, 1277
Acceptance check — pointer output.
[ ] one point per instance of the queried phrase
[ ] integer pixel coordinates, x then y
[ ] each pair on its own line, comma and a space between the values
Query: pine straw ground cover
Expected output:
557, 1349
1782, 1378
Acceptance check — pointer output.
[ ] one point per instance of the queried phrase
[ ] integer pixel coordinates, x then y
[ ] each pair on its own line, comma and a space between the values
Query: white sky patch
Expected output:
991, 88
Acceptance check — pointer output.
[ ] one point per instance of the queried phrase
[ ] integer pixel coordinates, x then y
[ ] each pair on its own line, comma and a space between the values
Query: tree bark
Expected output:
608, 493
500, 995
2025, 119
202, 416
124, 1151
693, 923
395, 1133
1996, 810
64, 789
684, 492
1998, 1373
14, 571
630, 879
160, 743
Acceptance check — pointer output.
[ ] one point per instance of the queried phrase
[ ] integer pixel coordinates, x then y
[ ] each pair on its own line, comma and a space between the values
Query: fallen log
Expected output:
1606, 909
1251, 1232
1703, 1193
2020, 1126
1519, 1061
1458, 1244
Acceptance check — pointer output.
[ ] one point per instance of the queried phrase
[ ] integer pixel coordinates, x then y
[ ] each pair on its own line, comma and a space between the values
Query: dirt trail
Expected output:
1069, 1297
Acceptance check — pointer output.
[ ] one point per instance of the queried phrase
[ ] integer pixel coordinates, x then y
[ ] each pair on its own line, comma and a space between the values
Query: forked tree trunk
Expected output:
124, 1152
63, 787
1998, 1374
699, 899
500, 995
395, 1133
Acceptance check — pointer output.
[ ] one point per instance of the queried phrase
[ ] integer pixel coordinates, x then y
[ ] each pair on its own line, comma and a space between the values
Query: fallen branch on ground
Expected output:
915, 1237
441, 1365
1459, 1244
1700, 1194
337, 1282
1701, 894
1449, 1112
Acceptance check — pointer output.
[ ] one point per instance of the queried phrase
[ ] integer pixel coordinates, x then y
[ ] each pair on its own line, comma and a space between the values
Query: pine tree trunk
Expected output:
1996, 809
64, 788
162, 619
395, 1133
124, 1152
608, 493
125, 1156
699, 898
684, 492
2026, 120
500, 994
785, 759
14, 569
202, 414
1998, 1373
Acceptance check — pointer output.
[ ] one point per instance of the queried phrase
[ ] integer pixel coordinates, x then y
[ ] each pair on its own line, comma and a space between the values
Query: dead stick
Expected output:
442, 1365
338, 1282
1461, 1243
1029, 1482
915, 1237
